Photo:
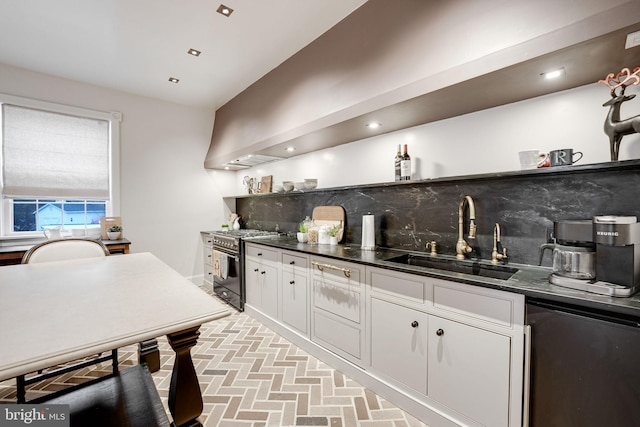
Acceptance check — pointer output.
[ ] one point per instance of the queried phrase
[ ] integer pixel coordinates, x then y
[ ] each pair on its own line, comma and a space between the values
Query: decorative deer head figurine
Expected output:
613, 126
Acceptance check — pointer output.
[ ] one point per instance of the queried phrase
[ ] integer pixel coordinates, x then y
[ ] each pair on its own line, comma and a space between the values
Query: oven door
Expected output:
229, 287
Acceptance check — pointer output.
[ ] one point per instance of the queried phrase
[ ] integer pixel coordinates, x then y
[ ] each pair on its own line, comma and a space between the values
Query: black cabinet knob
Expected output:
256, 270
293, 282
292, 262
262, 272
414, 324
440, 332
260, 254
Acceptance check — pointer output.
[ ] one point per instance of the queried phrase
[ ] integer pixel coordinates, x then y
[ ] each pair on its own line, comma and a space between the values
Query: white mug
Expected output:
53, 233
529, 159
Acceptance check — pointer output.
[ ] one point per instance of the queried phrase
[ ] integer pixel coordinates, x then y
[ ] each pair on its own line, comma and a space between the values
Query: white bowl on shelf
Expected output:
310, 183
299, 186
278, 188
287, 185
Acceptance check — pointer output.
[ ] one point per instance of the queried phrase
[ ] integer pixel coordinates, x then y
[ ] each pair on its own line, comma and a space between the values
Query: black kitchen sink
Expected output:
501, 272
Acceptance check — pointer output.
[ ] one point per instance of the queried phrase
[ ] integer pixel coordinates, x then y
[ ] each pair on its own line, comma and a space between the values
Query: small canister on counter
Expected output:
313, 235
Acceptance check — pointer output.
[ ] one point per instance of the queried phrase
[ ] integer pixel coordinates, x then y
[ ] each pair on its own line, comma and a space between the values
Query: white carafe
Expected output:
323, 235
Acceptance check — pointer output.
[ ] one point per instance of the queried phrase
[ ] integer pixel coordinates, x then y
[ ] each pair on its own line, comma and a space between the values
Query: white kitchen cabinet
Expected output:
294, 291
207, 252
261, 278
465, 353
449, 352
469, 370
399, 344
338, 308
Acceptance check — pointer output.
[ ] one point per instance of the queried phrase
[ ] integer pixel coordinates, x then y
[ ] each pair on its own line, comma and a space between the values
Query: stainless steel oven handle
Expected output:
321, 267
233, 255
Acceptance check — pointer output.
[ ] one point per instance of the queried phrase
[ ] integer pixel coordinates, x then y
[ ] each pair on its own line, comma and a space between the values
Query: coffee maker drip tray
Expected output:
602, 288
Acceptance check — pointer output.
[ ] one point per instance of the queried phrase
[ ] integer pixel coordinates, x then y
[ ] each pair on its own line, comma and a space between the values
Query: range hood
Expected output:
248, 161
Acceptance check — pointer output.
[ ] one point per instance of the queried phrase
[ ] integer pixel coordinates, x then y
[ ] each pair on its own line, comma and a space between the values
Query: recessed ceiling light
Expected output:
173, 80
373, 125
553, 74
290, 149
194, 52
224, 10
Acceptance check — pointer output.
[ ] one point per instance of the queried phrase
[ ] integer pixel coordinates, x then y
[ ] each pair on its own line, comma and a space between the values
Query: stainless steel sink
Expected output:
501, 272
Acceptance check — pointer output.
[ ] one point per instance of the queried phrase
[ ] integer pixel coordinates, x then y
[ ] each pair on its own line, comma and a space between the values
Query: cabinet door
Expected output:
269, 284
399, 343
207, 251
252, 283
208, 268
295, 300
261, 278
469, 371
261, 282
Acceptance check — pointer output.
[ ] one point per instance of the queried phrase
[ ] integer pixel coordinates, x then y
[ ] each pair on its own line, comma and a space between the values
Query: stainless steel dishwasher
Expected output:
585, 367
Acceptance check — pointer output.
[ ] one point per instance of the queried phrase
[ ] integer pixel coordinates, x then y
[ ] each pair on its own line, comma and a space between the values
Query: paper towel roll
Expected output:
368, 232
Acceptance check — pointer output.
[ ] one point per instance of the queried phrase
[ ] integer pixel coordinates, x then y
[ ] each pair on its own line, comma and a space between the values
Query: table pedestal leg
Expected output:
185, 397
149, 353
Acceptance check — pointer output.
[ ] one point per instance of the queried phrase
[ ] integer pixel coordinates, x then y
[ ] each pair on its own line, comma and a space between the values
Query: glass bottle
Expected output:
405, 165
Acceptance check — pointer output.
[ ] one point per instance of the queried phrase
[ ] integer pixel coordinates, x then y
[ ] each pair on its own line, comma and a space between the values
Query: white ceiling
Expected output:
136, 45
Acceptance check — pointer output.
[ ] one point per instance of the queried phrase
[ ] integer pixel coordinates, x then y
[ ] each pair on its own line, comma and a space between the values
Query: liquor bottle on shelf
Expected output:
397, 164
405, 165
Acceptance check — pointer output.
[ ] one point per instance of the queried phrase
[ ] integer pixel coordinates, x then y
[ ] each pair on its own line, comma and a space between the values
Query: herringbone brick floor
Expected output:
251, 376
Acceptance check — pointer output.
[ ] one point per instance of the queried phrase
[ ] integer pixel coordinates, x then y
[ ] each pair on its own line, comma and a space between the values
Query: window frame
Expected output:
113, 118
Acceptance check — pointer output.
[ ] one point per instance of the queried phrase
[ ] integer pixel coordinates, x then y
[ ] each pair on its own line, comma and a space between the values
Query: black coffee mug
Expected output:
564, 157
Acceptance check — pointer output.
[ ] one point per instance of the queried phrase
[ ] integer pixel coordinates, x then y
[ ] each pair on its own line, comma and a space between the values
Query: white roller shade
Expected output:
54, 155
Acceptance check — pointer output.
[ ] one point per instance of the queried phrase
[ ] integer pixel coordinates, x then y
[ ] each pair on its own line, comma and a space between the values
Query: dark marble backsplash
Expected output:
408, 215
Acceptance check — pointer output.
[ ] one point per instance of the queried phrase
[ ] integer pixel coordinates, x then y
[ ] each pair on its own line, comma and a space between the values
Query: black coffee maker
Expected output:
617, 254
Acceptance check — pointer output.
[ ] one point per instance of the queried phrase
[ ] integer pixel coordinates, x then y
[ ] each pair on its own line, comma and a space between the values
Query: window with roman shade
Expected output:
54, 159
54, 155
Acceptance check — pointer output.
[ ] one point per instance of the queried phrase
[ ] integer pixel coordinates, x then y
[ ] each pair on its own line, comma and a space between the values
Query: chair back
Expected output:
64, 249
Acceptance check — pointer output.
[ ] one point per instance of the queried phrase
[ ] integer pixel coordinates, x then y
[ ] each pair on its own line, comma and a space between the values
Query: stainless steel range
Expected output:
228, 260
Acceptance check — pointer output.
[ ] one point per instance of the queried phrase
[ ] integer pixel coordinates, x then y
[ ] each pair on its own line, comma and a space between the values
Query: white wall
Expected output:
481, 142
167, 197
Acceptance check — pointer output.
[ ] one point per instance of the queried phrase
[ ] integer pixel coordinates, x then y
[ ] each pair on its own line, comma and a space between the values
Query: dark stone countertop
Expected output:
531, 281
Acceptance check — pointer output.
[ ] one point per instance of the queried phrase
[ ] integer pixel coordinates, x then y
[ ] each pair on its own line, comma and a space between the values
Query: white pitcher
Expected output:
53, 233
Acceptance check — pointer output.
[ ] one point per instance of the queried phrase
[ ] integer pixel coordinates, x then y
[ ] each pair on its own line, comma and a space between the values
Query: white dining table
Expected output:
56, 312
